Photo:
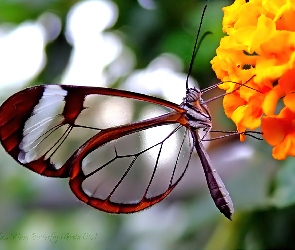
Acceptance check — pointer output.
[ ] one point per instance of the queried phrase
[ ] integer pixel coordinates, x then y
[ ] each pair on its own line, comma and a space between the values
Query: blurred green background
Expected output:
117, 44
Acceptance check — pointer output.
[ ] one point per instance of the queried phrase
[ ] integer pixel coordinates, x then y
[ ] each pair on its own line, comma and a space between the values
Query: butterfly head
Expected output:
196, 110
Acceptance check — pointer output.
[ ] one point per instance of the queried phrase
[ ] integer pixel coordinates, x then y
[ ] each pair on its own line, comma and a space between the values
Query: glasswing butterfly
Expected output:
115, 167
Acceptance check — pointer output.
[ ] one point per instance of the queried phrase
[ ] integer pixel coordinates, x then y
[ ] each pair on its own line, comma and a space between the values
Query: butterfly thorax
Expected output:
196, 110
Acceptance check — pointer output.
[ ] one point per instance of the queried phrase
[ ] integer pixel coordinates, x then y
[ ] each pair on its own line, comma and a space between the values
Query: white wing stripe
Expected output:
46, 115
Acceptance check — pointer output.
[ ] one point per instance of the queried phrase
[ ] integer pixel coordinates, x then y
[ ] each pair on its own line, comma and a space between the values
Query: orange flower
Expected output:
279, 131
256, 62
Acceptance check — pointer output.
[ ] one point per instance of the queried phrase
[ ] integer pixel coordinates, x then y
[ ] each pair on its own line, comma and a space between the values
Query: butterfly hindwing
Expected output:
132, 172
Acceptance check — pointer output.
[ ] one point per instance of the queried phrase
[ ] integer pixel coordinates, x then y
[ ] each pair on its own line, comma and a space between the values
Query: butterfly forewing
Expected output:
41, 127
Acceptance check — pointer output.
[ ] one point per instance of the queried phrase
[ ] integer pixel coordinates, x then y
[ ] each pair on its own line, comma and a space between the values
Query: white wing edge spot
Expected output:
50, 90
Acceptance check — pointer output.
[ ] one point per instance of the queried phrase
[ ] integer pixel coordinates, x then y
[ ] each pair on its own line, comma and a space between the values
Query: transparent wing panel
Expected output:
141, 165
110, 111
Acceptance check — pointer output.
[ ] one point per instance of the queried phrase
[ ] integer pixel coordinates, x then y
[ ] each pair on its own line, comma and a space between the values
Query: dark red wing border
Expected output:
77, 94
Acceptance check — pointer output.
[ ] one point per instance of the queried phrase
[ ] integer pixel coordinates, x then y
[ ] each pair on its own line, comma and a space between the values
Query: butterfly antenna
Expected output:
197, 46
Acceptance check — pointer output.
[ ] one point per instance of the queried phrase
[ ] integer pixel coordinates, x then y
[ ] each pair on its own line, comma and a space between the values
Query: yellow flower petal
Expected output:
259, 52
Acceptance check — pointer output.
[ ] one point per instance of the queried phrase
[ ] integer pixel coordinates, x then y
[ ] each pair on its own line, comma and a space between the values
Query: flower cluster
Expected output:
256, 62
